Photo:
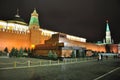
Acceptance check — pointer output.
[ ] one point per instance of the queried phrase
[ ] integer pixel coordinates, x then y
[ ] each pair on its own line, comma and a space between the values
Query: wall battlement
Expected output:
14, 31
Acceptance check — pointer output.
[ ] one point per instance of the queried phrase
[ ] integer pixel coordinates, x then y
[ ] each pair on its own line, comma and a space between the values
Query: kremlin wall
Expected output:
18, 34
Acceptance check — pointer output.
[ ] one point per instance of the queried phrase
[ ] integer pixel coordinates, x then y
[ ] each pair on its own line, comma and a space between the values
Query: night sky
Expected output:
83, 18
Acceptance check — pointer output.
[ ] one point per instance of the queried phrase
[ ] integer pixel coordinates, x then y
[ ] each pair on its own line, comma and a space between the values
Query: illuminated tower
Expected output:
34, 21
34, 29
108, 34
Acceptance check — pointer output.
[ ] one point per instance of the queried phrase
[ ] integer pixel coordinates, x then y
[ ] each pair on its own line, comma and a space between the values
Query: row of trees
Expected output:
51, 54
21, 52
17, 53
25, 52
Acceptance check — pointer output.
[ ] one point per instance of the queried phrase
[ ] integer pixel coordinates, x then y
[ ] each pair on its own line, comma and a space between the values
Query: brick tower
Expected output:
34, 29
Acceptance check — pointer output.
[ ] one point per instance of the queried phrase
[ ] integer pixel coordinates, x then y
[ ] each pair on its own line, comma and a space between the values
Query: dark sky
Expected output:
84, 18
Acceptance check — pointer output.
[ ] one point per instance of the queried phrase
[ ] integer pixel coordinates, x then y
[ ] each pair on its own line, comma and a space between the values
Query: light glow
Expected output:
13, 26
47, 32
3, 24
76, 38
33, 46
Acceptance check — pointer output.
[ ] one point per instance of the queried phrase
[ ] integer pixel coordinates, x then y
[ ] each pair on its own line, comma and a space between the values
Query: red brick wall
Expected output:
35, 37
94, 47
114, 48
15, 39
43, 38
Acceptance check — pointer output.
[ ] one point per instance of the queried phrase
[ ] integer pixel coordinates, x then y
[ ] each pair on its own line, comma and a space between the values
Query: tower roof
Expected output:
34, 21
108, 34
107, 26
34, 13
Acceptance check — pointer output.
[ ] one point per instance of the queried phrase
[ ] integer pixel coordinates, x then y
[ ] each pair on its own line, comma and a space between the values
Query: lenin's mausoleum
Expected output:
16, 33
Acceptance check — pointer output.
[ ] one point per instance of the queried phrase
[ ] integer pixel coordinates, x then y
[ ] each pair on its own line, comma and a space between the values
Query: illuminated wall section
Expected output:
3, 24
118, 48
45, 35
14, 35
15, 39
75, 38
13, 26
114, 48
95, 47
21, 27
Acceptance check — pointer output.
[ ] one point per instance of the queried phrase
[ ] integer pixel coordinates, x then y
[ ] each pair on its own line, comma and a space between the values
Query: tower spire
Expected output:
17, 15
34, 13
107, 27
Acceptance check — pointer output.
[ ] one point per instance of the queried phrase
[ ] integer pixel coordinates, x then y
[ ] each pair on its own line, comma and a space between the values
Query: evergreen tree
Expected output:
20, 53
25, 50
6, 50
32, 52
16, 52
29, 52
55, 56
50, 54
73, 54
1, 53
13, 52
83, 54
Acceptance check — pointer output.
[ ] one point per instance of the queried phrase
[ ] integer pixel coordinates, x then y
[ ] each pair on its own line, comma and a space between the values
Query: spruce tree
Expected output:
20, 53
12, 52
55, 56
73, 54
50, 54
29, 52
6, 50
